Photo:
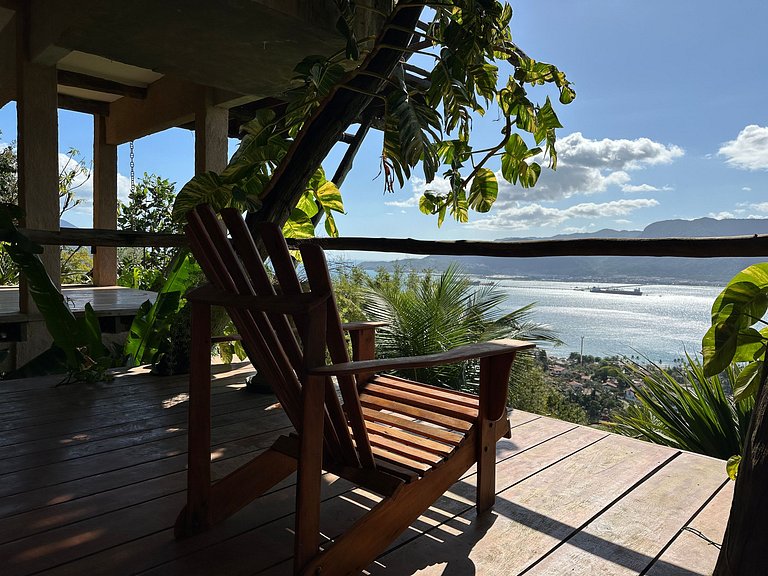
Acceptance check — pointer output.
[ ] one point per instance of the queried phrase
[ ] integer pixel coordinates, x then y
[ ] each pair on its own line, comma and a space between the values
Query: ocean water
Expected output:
661, 324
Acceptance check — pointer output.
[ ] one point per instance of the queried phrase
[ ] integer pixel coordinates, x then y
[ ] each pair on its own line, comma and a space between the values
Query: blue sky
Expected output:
669, 122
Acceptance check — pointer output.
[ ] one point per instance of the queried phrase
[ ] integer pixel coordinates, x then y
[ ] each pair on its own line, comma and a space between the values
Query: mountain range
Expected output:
623, 269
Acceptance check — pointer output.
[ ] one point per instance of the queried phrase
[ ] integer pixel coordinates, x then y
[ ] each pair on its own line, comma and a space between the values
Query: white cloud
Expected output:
592, 166
644, 188
523, 217
82, 186
419, 185
746, 189
621, 154
123, 188
759, 207
722, 215
749, 150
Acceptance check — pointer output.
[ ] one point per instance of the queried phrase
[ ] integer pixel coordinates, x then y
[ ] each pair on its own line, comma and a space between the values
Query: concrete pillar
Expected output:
38, 149
104, 202
211, 129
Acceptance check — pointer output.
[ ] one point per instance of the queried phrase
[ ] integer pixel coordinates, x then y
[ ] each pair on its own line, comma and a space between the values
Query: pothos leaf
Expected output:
483, 191
299, 225
307, 204
330, 225
748, 382
732, 467
329, 197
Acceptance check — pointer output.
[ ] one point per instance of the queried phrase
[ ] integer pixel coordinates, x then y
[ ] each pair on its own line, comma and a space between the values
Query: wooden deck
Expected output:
91, 479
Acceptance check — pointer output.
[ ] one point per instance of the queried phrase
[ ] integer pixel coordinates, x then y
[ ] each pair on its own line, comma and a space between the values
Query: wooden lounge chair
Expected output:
405, 441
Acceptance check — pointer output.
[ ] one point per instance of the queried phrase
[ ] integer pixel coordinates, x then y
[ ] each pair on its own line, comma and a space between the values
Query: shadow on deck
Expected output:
91, 480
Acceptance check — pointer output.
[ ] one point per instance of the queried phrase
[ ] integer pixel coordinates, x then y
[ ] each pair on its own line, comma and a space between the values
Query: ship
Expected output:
624, 290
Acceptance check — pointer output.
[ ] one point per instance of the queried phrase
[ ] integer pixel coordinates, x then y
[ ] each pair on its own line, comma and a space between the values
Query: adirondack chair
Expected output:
406, 441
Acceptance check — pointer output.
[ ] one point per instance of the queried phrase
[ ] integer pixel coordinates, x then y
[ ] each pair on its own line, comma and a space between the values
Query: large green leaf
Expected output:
329, 197
151, 325
484, 190
299, 225
719, 346
748, 382
205, 188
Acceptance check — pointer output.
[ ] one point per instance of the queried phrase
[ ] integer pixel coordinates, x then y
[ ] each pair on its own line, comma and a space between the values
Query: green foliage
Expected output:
470, 39
426, 123
9, 192
148, 209
241, 184
349, 284
697, 415
530, 391
72, 175
85, 358
148, 336
441, 313
733, 337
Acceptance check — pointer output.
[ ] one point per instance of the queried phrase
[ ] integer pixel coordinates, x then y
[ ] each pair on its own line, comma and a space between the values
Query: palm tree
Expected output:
698, 415
441, 313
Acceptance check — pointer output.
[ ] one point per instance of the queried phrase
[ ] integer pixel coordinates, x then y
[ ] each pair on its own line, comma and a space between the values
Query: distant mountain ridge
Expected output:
614, 268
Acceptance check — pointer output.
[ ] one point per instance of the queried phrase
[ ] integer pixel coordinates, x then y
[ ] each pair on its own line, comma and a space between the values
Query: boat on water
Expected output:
624, 290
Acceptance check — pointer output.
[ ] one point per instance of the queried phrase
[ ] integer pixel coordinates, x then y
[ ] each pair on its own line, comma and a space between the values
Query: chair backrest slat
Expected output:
211, 248
270, 338
285, 272
319, 279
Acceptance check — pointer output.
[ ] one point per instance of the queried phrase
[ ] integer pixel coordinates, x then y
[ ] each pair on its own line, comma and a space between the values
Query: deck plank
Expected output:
532, 516
690, 553
626, 538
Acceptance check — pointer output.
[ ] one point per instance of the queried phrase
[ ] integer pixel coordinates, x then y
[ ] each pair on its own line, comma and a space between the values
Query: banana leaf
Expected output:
78, 339
151, 326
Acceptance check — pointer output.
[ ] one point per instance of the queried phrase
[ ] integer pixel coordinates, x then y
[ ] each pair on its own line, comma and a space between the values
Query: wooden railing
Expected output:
727, 246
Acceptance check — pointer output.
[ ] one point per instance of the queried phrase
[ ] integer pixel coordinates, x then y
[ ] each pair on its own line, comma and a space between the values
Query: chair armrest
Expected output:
278, 304
459, 354
358, 326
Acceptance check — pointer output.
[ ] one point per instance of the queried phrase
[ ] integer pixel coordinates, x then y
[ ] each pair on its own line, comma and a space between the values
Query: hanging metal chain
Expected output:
133, 169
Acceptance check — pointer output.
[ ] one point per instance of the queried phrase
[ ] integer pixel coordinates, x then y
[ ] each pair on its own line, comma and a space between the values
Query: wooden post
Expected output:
104, 202
211, 130
494, 379
38, 142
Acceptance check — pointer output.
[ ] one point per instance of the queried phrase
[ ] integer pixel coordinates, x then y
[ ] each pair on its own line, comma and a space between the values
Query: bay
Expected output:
662, 324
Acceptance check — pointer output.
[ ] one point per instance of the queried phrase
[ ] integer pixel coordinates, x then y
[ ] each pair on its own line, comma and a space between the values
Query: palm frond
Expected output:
697, 415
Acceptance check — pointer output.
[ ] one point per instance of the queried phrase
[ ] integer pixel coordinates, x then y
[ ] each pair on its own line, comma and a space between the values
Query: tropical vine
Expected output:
425, 113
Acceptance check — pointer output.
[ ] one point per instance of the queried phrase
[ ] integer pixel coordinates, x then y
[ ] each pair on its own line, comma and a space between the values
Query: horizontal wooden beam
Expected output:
661, 247
103, 237
75, 104
726, 246
87, 82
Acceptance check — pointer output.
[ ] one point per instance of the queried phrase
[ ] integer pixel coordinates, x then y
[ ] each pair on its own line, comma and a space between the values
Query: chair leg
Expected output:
307, 542
486, 465
494, 378
196, 515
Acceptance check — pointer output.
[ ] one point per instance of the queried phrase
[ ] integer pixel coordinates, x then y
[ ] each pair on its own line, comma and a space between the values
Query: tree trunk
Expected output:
336, 113
745, 546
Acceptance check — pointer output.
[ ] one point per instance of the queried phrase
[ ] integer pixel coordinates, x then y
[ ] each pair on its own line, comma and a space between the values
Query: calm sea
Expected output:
661, 324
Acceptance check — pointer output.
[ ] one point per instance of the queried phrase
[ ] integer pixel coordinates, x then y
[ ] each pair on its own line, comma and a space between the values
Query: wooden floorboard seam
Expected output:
586, 523
684, 527
115, 407
181, 424
463, 511
131, 464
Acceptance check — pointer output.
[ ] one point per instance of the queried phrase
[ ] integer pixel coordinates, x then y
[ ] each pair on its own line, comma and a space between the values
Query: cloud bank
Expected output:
749, 151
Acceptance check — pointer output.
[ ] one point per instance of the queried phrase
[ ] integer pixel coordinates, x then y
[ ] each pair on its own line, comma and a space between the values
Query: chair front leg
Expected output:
307, 542
196, 516
494, 380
